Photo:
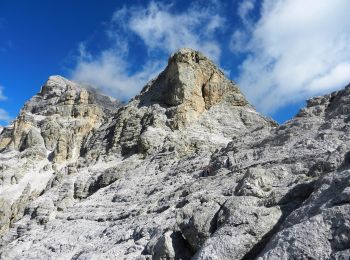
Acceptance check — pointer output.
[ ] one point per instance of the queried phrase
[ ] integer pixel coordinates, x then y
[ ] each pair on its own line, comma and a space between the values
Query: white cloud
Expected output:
4, 116
244, 9
240, 37
2, 96
161, 30
239, 41
335, 78
109, 73
297, 49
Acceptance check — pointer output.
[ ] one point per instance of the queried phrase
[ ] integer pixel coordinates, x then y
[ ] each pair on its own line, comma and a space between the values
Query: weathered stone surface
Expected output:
49, 130
320, 228
191, 84
198, 221
172, 113
242, 223
171, 245
186, 170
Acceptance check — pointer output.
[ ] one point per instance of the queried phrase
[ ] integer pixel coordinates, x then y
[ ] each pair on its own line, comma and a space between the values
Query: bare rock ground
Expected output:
186, 170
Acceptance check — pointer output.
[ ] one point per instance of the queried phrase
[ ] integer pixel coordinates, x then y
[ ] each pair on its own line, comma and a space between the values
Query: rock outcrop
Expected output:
46, 136
189, 107
186, 170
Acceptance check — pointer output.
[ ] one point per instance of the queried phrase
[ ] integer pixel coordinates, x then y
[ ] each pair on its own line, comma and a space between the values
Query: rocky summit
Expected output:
188, 169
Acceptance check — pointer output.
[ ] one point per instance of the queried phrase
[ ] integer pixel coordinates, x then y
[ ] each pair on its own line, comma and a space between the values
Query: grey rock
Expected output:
198, 221
171, 245
320, 228
48, 133
242, 225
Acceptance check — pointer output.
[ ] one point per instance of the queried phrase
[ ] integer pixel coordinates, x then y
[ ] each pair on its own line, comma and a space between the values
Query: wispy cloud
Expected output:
4, 116
241, 35
2, 95
244, 10
297, 49
109, 72
161, 30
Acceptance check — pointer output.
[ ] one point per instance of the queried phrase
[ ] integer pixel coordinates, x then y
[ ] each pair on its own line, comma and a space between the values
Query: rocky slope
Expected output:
47, 135
187, 169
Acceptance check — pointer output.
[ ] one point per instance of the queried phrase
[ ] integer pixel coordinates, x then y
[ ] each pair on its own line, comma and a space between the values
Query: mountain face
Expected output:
186, 170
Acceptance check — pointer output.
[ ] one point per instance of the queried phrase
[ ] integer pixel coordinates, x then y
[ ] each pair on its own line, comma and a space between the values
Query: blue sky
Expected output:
280, 52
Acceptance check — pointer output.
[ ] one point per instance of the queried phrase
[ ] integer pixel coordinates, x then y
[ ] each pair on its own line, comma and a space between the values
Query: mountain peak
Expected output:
190, 84
60, 91
187, 55
58, 81
57, 85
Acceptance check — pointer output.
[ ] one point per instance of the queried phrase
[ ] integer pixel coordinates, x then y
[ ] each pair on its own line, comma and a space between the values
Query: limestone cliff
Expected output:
47, 135
186, 170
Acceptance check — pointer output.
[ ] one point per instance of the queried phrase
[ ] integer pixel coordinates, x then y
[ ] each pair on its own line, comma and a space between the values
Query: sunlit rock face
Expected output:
186, 170
58, 118
190, 106
190, 85
47, 134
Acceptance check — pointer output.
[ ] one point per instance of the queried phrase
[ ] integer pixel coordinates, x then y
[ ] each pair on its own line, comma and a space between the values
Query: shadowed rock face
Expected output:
187, 169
